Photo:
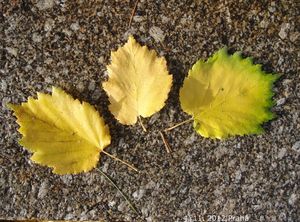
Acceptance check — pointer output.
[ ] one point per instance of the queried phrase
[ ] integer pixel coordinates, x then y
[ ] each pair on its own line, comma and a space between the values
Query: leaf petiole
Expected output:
115, 185
167, 145
141, 123
179, 124
122, 161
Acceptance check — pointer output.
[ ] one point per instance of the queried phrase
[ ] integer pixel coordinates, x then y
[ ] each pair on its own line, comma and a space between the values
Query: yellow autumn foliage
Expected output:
138, 83
62, 133
227, 96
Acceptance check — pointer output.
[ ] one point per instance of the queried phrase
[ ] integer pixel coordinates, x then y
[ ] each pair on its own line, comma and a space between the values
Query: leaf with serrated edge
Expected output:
227, 96
61, 132
138, 83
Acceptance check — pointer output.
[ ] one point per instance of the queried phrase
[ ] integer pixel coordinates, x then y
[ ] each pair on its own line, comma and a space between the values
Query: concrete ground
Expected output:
68, 44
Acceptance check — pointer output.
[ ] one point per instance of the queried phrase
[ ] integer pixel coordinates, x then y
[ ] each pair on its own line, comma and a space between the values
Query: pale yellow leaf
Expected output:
138, 83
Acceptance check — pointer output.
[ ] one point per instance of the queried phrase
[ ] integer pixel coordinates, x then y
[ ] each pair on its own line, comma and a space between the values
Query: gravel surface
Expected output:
68, 44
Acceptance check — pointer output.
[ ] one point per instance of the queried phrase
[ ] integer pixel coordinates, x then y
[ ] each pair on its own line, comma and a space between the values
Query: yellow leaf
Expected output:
227, 95
61, 132
138, 83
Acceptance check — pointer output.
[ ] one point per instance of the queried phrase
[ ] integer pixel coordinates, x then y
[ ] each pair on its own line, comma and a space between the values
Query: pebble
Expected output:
75, 26
282, 153
3, 85
283, 30
296, 146
122, 206
48, 26
111, 203
45, 4
292, 199
43, 189
138, 194
92, 85
157, 34
36, 37
191, 139
80, 87
12, 51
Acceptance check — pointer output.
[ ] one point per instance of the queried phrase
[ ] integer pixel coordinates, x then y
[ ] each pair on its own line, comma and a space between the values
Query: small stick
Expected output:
141, 123
178, 124
115, 185
122, 161
133, 12
167, 145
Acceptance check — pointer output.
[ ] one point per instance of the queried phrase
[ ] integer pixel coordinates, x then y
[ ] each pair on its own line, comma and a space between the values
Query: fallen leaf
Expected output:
61, 132
227, 96
138, 83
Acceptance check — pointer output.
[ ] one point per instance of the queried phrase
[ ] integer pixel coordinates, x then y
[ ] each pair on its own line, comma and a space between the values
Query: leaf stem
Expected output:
122, 161
167, 145
133, 12
141, 123
178, 124
115, 185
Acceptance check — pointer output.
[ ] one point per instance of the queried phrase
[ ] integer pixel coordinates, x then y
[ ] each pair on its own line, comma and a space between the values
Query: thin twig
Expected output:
115, 185
122, 161
178, 124
167, 145
141, 123
133, 12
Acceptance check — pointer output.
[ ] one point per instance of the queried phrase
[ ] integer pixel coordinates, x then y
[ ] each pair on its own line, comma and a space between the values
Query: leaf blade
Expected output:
227, 96
138, 83
61, 132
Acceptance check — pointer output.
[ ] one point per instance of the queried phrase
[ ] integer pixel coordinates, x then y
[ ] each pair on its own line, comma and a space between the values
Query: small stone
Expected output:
69, 216
272, 9
294, 36
80, 87
67, 32
157, 34
154, 118
49, 25
96, 94
5, 100
48, 79
191, 139
43, 189
48, 61
3, 85
296, 146
75, 26
122, 206
283, 30
36, 37
145, 211
67, 179
12, 51
101, 59
138, 194
292, 199
263, 24
238, 175
92, 86
219, 152
111, 203
165, 19
149, 219
138, 18
281, 153
45, 4
280, 101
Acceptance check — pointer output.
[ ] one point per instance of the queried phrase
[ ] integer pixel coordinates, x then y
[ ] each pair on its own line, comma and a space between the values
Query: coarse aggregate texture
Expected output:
68, 44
